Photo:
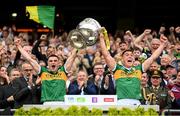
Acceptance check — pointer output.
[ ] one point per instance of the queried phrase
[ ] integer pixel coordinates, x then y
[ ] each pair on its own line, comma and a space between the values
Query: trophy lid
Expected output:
89, 23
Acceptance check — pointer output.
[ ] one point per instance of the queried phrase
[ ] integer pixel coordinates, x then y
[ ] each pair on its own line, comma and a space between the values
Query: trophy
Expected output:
87, 33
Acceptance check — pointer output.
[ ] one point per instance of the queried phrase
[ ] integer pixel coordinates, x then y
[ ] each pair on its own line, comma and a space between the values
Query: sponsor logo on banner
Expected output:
91, 99
94, 100
71, 99
108, 99
81, 99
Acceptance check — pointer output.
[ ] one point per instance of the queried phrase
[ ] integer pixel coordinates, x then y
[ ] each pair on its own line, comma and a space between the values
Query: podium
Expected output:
90, 100
103, 102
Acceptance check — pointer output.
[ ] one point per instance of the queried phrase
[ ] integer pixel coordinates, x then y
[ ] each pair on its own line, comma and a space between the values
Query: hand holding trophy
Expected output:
87, 33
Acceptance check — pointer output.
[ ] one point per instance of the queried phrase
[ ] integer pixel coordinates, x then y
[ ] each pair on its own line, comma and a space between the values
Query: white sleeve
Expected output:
114, 68
142, 68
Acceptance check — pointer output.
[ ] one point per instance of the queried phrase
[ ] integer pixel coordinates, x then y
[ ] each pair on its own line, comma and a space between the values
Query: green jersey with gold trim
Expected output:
128, 82
53, 84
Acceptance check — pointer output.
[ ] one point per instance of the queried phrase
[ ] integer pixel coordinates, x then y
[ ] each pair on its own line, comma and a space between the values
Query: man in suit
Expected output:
7, 91
104, 82
26, 90
82, 86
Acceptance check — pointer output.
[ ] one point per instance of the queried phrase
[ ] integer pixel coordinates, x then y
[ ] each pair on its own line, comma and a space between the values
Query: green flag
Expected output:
42, 14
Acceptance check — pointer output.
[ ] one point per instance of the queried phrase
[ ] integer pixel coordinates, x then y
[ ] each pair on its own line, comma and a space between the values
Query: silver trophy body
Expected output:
85, 34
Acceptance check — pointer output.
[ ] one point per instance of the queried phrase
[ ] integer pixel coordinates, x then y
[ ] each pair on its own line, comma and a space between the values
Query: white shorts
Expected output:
128, 102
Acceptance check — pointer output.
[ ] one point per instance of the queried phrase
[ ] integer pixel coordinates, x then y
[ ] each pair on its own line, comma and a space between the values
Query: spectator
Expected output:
137, 53
157, 94
26, 90
7, 91
171, 71
5, 60
144, 80
136, 63
165, 60
14, 73
175, 89
104, 82
154, 66
6, 38
81, 86
4, 79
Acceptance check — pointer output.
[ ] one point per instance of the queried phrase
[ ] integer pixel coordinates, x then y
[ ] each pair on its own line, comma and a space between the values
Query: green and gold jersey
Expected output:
128, 82
53, 85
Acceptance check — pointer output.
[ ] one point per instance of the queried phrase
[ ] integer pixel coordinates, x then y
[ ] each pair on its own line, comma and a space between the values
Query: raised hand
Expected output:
38, 80
177, 29
106, 80
171, 29
163, 39
30, 81
43, 37
101, 37
147, 31
162, 30
97, 77
128, 32
17, 41
81, 84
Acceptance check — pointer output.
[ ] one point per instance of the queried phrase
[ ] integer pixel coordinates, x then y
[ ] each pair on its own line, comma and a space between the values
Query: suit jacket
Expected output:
162, 98
90, 89
25, 95
5, 92
103, 91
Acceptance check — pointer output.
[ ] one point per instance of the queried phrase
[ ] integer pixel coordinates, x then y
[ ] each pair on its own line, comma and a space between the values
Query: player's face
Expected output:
53, 64
128, 59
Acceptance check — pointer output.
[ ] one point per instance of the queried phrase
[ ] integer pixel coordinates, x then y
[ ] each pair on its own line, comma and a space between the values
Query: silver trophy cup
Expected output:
85, 34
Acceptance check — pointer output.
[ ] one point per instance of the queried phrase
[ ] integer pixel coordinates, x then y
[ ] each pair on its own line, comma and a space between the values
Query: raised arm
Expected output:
172, 37
70, 60
140, 37
132, 38
108, 58
33, 62
146, 64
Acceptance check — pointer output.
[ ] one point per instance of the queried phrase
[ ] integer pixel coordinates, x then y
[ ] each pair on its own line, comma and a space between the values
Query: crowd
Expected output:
139, 68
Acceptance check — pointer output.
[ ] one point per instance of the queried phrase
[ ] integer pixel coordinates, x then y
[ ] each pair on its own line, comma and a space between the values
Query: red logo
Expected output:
108, 99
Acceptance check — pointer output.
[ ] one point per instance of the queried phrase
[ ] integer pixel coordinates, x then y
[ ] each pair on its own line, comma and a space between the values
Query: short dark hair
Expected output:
60, 57
122, 42
128, 50
97, 63
137, 49
53, 55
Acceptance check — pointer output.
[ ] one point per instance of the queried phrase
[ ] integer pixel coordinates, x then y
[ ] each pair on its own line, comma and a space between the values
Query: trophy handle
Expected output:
107, 41
76, 39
